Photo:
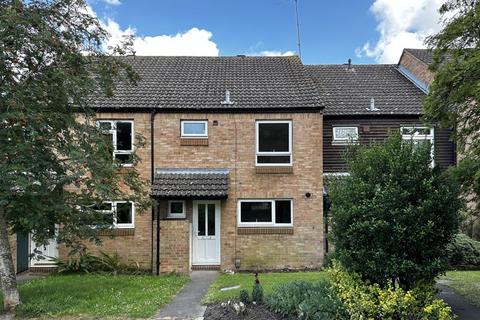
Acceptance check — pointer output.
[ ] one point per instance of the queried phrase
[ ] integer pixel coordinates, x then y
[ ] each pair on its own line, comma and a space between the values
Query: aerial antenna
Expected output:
298, 30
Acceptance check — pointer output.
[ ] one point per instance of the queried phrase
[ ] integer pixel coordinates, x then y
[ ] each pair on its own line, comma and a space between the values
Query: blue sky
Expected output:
331, 31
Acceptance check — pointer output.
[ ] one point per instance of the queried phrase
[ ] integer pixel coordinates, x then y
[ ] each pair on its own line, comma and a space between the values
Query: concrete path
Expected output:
187, 304
461, 307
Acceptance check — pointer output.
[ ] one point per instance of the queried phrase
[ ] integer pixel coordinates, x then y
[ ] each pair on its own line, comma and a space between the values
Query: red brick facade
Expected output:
417, 67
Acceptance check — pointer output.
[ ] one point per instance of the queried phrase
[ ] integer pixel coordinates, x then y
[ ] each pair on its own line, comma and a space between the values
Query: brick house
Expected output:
233, 148
236, 151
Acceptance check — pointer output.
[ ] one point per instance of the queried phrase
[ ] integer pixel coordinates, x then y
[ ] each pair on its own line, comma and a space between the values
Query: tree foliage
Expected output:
53, 166
393, 216
454, 95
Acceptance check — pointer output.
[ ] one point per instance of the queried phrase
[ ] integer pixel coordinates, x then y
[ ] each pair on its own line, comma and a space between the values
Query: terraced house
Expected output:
236, 151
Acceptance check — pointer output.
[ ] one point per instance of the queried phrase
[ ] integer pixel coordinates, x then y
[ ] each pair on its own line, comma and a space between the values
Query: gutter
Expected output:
152, 171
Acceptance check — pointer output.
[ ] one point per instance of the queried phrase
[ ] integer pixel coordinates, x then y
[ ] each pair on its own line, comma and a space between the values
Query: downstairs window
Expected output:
265, 213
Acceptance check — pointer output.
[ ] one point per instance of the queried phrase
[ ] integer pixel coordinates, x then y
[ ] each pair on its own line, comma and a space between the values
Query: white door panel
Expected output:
206, 232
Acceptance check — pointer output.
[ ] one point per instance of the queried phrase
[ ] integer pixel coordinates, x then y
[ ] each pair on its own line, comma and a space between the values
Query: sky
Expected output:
331, 31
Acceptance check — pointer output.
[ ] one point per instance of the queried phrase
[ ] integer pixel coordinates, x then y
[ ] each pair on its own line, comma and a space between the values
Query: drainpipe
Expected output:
152, 170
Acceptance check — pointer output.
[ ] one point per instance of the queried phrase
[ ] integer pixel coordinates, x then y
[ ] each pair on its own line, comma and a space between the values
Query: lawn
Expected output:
465, 283
246, 281
124, 296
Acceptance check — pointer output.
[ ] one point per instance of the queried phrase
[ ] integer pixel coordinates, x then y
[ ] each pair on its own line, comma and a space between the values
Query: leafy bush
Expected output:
307, 300
104, 263
464, 252
370, 301
393, 217
244, 296
257, 293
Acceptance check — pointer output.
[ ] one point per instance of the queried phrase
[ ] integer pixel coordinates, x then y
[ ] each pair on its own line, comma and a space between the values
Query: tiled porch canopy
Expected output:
195, 183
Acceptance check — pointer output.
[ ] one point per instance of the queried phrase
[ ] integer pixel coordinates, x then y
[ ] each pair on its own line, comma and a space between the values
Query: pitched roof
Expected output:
424, 55
193, 83
349, 90
190, 183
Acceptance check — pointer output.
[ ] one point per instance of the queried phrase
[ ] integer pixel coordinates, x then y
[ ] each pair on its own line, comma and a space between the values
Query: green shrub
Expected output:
244, 296
104, 263
307, 300
370, 301
393, 217
464, 252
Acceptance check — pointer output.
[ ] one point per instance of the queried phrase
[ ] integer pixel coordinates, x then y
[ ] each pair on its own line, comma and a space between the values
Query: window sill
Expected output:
193, 141
273, 169
344, 143
117, 232
174, 218
264, 230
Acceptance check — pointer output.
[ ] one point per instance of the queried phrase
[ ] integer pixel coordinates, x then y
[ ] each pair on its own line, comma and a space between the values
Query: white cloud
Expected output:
113, 2
274, 53
401, 24
193, 42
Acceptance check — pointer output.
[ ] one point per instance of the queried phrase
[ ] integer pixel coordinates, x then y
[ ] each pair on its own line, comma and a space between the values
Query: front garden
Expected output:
97, 296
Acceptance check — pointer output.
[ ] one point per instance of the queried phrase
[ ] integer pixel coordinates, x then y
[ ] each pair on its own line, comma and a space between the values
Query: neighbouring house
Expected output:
237, 150
365, 103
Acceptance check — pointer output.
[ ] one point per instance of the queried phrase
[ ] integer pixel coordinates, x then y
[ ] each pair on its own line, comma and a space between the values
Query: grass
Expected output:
465, 283
102, 296
246, 281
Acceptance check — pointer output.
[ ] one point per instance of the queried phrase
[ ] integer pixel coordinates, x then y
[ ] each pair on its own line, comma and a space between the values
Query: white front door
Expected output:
206, 233
43, 255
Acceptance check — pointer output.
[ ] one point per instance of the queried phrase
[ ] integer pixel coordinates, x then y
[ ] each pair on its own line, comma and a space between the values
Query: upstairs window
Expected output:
274, 143
419, 135
264, 213
345, 134
122, 212
194, 128
120, 132
176, 209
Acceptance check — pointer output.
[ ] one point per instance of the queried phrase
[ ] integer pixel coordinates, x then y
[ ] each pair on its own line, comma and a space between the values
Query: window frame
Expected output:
273, 223
344, 140
113, 211
430, 137
113, 132
271, 153
171, 215
193, 135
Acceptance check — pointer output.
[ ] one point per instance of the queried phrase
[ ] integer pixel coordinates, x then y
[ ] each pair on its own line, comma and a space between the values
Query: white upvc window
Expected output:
176, 209
419, 135
121, 134
265, 213
122, 212
194, 128
345, 134
273, 143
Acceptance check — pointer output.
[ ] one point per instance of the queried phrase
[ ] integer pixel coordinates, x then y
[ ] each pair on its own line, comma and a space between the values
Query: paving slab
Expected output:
460, 306
187, 304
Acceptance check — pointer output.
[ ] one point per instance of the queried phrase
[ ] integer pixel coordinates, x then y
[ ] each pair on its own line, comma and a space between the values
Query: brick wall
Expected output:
174, 246
416, 67
134, 246
232, 145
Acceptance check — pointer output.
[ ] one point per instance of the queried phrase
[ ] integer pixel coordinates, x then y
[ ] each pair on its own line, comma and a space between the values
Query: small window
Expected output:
419, 135
176, 209
263, 213
274, 143
123, 213
194, 128
345, 134
120, 132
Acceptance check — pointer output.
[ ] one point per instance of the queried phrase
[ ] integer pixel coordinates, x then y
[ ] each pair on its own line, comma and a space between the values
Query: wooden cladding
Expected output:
266, 230
194, 141
273, 170
376, 130
118, 232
